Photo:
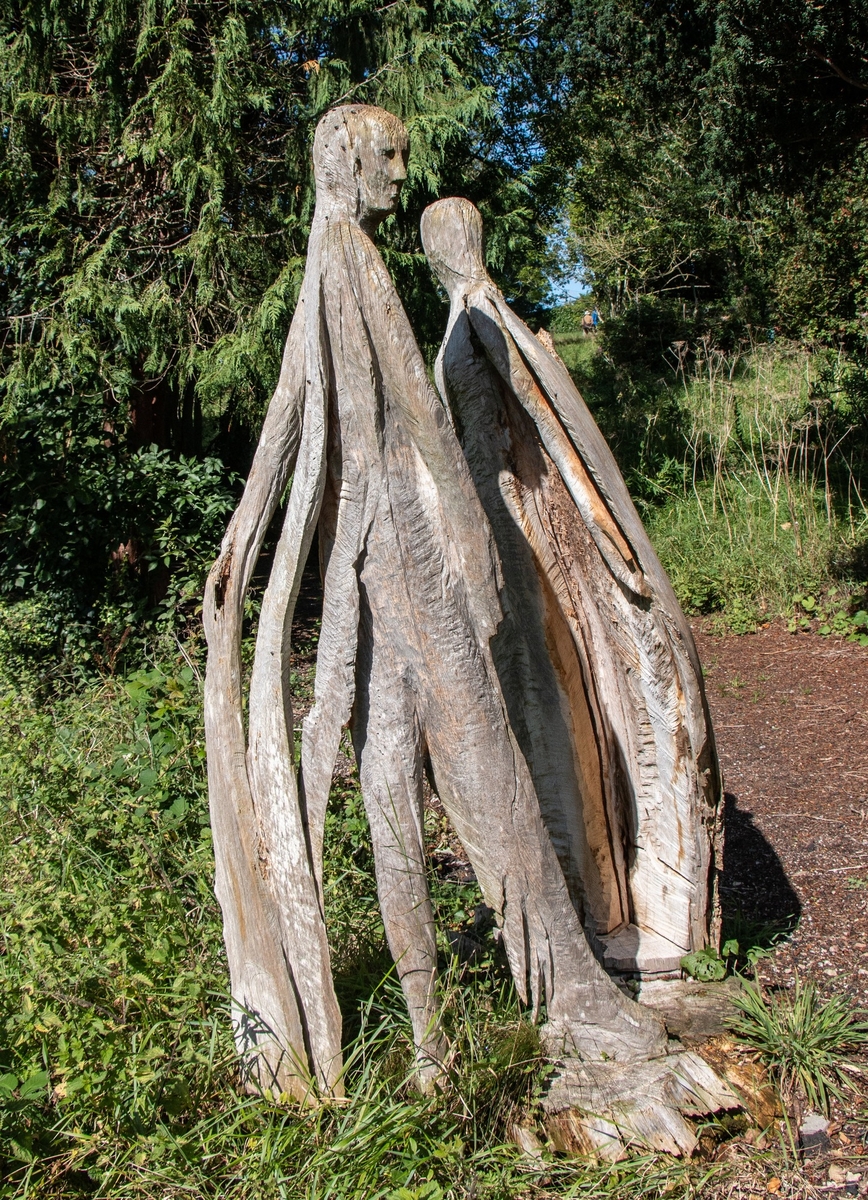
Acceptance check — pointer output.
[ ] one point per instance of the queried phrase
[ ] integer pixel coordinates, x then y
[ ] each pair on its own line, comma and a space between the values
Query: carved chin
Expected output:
381, 209
385, 201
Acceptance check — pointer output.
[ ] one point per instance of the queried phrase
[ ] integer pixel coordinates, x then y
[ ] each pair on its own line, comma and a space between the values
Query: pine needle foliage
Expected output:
155, 163
155, 200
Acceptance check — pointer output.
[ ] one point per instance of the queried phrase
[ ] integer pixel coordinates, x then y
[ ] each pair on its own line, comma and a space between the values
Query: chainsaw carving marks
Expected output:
596, 654
492, 614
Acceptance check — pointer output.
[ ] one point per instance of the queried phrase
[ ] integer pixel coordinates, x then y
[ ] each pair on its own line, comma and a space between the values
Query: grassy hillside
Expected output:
747, 467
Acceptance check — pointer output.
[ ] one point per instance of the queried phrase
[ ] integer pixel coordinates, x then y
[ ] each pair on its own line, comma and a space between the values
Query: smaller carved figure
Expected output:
596, 660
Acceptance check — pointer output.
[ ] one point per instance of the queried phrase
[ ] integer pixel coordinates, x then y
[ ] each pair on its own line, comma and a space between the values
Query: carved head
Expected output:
360, 161
452, 237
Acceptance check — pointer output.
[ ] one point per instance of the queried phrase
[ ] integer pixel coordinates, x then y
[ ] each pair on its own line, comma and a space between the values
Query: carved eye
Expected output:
390, 152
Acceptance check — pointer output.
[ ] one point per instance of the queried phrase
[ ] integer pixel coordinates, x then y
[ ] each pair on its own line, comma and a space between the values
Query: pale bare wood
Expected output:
268, 1022
429, 610
694, 1012
411, 616
289, 1024
588, 614
285, 853
606, 1110
644, 774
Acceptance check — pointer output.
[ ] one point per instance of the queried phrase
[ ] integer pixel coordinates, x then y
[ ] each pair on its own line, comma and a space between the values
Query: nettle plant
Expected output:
710, 965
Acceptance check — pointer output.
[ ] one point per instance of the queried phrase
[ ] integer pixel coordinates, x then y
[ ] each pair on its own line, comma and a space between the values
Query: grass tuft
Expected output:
804, 1041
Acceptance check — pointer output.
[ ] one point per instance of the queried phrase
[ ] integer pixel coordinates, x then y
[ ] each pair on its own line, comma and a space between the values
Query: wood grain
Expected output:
597, 655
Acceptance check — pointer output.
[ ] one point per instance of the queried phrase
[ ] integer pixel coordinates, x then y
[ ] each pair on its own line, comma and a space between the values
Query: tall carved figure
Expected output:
596, 661
411, 610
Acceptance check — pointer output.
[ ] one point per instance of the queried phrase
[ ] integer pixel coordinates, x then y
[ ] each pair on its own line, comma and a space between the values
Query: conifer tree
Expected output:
155, 199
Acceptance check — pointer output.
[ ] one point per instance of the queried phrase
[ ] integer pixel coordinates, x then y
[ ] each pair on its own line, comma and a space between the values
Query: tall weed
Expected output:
748, 464
770, 479
724, 550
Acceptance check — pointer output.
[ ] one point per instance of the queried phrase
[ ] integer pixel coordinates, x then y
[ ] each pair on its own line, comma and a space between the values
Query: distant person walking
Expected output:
595, 317
588, 323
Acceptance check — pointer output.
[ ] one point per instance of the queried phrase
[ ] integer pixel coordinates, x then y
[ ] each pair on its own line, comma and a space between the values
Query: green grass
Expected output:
745, 467
806, 1043
117, 1072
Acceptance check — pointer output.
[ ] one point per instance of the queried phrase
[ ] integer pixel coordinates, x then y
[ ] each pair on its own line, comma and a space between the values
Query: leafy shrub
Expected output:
108, 540
109, 926
567, 318
825, 616
710, 965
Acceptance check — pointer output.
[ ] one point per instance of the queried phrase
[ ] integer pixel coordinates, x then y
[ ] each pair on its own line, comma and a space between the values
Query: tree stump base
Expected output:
607, 1109
693, 1012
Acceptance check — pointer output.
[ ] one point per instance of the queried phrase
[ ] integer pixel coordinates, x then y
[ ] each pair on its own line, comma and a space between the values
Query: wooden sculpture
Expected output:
407, 658
596, 661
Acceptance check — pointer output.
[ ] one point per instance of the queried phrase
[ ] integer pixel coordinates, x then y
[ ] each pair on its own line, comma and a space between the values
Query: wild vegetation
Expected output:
703, 168
748, 466
118, 1075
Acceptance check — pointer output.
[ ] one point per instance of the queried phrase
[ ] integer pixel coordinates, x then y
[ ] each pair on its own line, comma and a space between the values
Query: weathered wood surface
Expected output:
273, 923
596, 660
747, 1078
693, 1012
411, 613
407, 547
605, 1109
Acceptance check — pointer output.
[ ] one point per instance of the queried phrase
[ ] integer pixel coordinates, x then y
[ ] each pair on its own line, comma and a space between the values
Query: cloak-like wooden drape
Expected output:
413, 617
596, 659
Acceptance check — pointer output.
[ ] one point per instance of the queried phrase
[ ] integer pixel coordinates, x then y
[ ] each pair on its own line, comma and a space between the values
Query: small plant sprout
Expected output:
830, 619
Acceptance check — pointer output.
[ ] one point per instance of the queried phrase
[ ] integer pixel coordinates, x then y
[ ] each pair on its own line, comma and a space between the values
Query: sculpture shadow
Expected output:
759, 904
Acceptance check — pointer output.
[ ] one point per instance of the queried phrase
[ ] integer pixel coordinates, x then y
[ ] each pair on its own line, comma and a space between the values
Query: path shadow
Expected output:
758, 901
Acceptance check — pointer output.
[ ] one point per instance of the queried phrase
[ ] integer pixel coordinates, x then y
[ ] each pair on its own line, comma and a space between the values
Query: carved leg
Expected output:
485, 784
389, 752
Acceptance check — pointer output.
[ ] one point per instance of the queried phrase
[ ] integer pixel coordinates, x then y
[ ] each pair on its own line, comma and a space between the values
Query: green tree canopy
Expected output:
715, 154
155, 198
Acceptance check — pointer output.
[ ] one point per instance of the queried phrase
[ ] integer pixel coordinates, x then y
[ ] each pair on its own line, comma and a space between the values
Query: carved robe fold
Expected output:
597, 663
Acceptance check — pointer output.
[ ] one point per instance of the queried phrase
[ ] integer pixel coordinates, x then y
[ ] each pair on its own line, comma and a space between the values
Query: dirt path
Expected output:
791, 717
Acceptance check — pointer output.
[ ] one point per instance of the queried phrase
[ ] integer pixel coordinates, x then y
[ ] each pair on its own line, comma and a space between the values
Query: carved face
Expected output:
381, 159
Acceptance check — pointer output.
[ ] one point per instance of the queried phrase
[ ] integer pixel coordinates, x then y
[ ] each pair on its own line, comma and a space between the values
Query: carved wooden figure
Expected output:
411, 613
596, 661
